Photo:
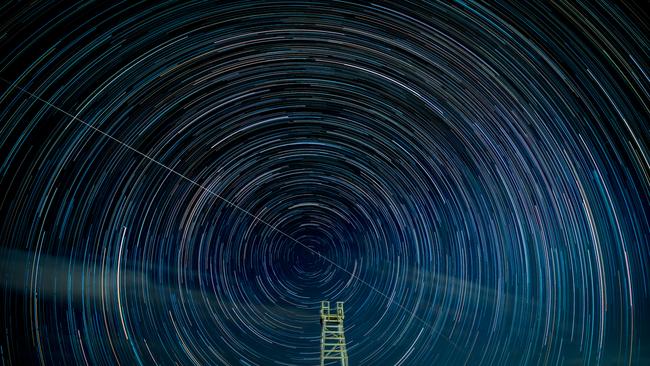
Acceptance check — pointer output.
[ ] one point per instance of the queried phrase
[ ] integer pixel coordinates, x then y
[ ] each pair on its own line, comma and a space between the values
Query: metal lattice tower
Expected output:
332, 343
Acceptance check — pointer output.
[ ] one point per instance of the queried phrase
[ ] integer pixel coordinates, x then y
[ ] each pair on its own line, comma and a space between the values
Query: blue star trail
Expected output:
184, 182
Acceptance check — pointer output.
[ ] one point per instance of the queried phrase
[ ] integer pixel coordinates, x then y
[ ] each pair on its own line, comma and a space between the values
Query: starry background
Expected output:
184, 182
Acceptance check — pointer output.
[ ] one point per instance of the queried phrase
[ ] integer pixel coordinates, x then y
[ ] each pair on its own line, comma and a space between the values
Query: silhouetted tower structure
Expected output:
332, 343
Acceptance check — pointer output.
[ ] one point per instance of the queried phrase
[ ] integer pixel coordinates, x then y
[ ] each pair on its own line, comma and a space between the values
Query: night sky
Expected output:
184, 182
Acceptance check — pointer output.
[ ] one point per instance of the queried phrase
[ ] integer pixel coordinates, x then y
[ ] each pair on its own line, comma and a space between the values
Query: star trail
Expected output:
184, 182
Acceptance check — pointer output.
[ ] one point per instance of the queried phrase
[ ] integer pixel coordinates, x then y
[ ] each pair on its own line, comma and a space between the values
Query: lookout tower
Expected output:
332, 343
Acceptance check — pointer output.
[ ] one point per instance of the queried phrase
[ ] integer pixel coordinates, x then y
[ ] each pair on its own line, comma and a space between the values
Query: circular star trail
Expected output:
183, 183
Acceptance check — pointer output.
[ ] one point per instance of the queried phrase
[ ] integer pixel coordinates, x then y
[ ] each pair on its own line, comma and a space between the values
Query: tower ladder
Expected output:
332, 343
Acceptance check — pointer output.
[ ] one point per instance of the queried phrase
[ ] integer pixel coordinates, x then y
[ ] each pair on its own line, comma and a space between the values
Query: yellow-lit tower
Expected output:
332, 343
